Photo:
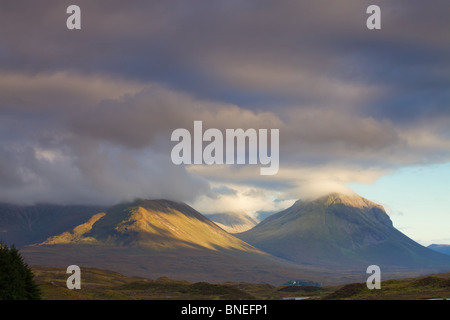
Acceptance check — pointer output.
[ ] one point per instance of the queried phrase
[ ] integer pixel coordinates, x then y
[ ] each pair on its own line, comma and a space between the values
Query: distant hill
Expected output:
340, 231
442, 248
154, 238
23, 225
233, 222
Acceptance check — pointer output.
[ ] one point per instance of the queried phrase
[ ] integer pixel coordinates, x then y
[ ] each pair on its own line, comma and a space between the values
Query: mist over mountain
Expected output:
340, 231
233, 222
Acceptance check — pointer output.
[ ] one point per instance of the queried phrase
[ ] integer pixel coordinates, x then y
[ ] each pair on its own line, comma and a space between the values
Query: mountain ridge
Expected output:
23, 225
339, 231
156, 224
154, 238
442, 248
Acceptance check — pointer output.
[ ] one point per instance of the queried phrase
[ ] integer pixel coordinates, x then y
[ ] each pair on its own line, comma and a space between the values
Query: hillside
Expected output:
341, 231
154, 238
157, 225
442, 248
101, 284
427, 287
23, 225
233, 222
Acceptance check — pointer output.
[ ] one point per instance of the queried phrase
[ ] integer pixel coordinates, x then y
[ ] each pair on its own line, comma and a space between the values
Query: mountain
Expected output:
340, 231
23, 225
158, 225
233, 222
442, 248
155, 238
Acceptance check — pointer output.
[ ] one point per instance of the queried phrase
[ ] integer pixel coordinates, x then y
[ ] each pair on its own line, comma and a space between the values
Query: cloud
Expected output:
247, 52
246, 199
59, 91
87, 116
224, 190
114, 145
90, 173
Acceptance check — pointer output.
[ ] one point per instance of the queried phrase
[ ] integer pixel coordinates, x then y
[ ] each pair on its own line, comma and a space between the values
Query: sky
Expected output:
86, 115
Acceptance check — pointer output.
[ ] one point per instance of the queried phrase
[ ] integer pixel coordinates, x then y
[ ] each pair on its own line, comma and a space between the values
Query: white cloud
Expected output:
247, 198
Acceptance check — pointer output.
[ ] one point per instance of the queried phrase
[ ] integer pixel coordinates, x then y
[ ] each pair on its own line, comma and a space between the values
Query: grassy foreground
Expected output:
427, 287
97, 284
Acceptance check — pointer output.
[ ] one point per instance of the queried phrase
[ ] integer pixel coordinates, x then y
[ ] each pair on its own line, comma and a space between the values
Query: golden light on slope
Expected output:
156, 230
77, 234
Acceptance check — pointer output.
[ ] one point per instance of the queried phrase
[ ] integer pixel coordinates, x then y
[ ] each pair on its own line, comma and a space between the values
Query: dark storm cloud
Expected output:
87, 115
201, 46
